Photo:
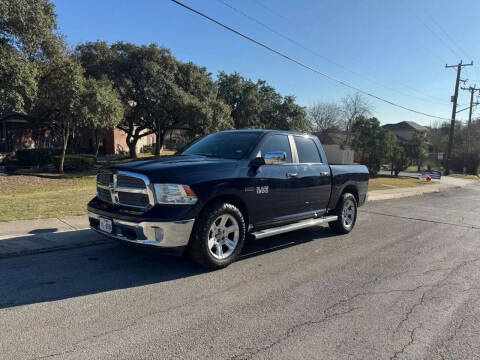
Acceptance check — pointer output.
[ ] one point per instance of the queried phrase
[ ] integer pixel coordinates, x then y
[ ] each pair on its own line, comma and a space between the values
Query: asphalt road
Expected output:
404, 284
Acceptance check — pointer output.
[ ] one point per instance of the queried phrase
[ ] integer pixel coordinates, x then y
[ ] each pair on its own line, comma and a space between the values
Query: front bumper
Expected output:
173, 235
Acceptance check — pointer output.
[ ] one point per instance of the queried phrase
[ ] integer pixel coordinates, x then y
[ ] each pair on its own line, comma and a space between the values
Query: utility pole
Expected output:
472, 90
454, 113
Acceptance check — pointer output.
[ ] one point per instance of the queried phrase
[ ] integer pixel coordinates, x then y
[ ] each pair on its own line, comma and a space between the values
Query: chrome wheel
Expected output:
223, 236
348, 213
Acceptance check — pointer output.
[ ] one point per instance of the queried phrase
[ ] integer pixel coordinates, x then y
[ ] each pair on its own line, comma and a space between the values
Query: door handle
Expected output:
291, 175
324, 173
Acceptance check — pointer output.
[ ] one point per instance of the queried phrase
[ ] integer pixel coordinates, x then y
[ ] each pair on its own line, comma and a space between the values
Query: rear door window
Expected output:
277, 143
307, 150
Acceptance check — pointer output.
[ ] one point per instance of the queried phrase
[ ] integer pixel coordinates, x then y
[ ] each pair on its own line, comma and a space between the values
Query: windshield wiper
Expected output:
208, 155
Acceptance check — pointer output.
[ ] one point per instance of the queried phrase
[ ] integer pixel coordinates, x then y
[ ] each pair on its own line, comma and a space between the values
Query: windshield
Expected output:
227, 145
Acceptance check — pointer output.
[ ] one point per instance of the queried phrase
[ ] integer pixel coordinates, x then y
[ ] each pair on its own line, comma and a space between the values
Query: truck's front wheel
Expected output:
347, 214
218, 237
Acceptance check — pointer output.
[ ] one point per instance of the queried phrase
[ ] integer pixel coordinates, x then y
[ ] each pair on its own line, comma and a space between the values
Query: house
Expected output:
18, 133
405, 130
335, 149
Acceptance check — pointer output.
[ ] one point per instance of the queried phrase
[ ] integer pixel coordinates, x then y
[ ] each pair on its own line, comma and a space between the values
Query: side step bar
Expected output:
291, 227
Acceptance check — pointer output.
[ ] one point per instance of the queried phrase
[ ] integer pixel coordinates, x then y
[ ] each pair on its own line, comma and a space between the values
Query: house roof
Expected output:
405, 126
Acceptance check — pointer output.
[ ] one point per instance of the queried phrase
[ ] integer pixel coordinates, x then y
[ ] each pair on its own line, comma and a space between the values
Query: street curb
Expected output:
52, 249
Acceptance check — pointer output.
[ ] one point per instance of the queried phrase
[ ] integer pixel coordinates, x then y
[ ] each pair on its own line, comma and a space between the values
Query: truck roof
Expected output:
264, 131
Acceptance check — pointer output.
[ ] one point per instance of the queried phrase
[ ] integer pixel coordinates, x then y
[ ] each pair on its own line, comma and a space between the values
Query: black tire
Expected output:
344, 224
198, 249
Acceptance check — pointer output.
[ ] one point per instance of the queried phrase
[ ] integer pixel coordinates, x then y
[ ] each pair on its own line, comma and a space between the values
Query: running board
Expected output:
291, 227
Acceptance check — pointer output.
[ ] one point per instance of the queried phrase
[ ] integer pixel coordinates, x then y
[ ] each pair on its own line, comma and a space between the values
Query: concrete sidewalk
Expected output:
26, 237
447, 182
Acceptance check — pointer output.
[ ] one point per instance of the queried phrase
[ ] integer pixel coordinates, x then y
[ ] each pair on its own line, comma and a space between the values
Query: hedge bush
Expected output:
76, 162
36, 157
148, 149
471, 162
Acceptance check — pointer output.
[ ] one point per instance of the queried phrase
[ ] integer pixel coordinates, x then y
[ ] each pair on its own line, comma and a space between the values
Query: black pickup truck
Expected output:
223, 188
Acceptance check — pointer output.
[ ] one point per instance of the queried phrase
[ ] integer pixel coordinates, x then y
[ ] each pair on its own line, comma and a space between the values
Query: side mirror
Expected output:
271, 158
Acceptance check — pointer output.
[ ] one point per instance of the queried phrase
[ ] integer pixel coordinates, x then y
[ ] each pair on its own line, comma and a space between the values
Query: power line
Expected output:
306, 66
457, 45
435, 99
450, 48
434, 33
271, 10
326, 58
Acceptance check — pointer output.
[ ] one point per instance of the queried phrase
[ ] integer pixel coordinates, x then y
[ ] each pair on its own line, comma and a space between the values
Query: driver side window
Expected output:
277, 143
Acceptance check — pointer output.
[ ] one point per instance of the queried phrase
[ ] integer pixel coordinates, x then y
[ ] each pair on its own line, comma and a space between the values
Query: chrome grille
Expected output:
125, 188
104, 195
130, 181
104, 178
126, 198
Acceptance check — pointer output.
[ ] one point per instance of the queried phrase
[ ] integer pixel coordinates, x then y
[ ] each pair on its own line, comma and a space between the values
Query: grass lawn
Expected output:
469, 177
162, 153
385, 183
32, 197
24, 197
413, 168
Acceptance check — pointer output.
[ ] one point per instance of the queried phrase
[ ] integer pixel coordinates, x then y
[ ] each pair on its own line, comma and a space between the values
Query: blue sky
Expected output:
394, 49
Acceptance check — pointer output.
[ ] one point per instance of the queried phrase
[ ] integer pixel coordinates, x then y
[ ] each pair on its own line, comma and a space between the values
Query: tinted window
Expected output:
229, 145
277, 143
307, 150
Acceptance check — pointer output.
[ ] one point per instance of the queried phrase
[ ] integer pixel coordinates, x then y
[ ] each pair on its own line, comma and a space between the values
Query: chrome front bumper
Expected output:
169, 235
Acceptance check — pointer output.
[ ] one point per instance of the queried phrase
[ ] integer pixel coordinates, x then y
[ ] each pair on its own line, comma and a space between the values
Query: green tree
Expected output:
291, 116
59, 103
258, 105
101, 108
200, 110
372, 142
143, 77
243, 97
399, 158
27, 36
158, 92
417, 149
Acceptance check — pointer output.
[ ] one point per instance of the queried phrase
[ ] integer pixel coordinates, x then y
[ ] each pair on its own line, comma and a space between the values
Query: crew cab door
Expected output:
272, 192
313, 174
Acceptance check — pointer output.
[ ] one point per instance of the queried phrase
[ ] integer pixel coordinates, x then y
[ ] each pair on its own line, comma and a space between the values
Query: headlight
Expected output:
174, 194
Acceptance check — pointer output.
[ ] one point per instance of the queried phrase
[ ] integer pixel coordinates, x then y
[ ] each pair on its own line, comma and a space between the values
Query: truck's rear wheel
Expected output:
218, 237
347, 214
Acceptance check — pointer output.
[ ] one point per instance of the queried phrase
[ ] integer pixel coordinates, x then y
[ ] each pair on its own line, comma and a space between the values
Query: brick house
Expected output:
17, 133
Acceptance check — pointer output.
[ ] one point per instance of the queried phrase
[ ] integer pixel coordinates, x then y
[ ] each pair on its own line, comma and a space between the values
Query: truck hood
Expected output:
188, 169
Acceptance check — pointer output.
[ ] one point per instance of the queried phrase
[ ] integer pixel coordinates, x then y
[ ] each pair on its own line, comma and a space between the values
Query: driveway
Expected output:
404, 284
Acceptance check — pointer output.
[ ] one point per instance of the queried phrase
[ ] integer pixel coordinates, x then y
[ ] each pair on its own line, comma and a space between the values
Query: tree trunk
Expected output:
160, 138
157, 143
97, 143
66, 134
132, 145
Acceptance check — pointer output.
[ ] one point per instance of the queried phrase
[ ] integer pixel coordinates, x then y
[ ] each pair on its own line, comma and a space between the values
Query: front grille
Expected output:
133, 199
104, 178
104, 195
130, 181
126, 189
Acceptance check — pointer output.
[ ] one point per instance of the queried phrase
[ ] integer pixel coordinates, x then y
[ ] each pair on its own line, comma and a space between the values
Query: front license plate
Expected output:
105, 225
